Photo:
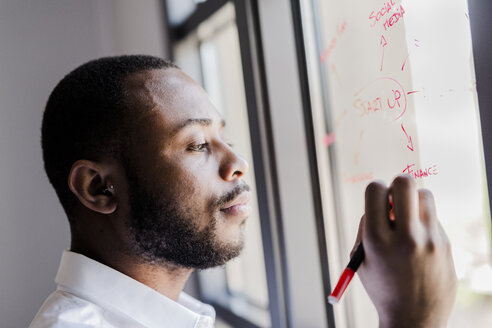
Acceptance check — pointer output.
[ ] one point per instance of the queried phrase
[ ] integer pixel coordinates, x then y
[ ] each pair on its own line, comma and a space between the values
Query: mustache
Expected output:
236, 191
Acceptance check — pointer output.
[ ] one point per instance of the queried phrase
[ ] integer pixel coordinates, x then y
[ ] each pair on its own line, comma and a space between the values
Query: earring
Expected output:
107, 189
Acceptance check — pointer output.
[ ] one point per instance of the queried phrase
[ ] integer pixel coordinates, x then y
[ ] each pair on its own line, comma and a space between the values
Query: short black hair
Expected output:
86, 115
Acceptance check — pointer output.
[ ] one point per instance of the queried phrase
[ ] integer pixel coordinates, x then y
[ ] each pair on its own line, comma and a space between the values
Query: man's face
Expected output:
187, 201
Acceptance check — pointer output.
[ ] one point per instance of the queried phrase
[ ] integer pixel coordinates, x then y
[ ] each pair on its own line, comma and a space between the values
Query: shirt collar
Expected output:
112, 289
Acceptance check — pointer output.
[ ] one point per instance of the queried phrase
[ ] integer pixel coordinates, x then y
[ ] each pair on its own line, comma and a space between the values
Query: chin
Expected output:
234, 239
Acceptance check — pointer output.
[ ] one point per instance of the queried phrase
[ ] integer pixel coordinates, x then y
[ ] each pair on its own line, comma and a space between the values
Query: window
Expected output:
393, 91
336, 94
210, 52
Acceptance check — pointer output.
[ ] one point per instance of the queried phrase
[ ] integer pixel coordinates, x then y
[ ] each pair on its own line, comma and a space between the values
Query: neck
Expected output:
165, 279
168, 280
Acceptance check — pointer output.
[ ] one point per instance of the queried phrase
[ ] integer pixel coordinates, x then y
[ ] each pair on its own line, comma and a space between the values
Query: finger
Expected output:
377, 212
359, 234
427, 211
405, 205
442, 233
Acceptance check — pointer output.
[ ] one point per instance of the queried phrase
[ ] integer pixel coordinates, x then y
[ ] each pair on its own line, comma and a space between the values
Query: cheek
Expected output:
191, 181
189, 190
192, 176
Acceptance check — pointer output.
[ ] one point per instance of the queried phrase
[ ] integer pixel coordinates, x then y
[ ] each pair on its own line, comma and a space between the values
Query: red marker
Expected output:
347, 275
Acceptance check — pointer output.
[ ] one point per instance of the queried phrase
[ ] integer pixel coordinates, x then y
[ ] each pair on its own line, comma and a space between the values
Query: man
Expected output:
140, 161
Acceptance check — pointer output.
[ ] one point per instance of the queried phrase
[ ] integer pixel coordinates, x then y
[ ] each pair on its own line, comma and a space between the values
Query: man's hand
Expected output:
408, 269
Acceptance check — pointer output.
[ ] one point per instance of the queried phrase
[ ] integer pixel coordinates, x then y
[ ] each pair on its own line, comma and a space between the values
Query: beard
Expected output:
164, 230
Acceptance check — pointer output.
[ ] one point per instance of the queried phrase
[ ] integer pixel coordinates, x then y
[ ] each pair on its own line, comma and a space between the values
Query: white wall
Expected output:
40, 42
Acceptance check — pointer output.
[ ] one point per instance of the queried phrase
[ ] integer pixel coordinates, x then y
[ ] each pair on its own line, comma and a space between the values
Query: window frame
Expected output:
481, 26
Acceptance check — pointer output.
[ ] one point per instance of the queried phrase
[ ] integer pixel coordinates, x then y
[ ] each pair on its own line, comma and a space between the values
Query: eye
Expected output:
199, 147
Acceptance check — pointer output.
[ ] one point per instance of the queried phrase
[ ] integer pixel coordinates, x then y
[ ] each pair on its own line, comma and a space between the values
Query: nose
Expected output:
232, 166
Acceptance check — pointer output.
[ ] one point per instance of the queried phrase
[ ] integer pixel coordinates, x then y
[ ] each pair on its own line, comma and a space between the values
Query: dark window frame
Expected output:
481, 30
313, 160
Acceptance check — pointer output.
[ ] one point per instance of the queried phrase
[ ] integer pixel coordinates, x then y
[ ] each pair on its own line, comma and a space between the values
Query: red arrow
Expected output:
384, 45
409, 139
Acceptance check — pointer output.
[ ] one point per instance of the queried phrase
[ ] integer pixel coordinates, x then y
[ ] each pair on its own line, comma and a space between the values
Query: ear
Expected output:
90, 183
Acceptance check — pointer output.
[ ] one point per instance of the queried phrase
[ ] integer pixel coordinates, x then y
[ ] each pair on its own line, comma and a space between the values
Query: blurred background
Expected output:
285, 75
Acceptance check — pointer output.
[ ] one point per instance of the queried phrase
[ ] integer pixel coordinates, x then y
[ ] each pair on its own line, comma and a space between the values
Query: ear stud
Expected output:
108, 188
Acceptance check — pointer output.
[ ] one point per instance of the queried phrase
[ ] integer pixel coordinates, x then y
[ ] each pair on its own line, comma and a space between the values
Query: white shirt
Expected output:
91, 294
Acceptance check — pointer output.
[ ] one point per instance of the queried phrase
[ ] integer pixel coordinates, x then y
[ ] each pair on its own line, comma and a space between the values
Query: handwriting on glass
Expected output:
384, 95
359, 177
391, 11
333, 43
419, 173
409, 139
383, 43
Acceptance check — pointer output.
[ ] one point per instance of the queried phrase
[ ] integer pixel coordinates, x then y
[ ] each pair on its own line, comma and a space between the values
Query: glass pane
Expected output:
396, 83
223, 80
216, 44
180, 10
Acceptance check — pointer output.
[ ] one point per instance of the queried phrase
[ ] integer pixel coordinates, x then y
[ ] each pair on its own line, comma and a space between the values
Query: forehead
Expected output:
171, 95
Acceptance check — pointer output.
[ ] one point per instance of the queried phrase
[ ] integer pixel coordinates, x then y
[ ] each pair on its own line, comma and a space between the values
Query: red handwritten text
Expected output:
389, 9
340, 118
397, 96
409, 139
381, 95
358, 177
368, 106
421, 173
341, 28
383, 43
334, 70
376, 16
326, 53
393, 19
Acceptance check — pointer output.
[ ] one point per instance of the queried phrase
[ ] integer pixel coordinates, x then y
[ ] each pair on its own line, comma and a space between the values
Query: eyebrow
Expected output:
205, 122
